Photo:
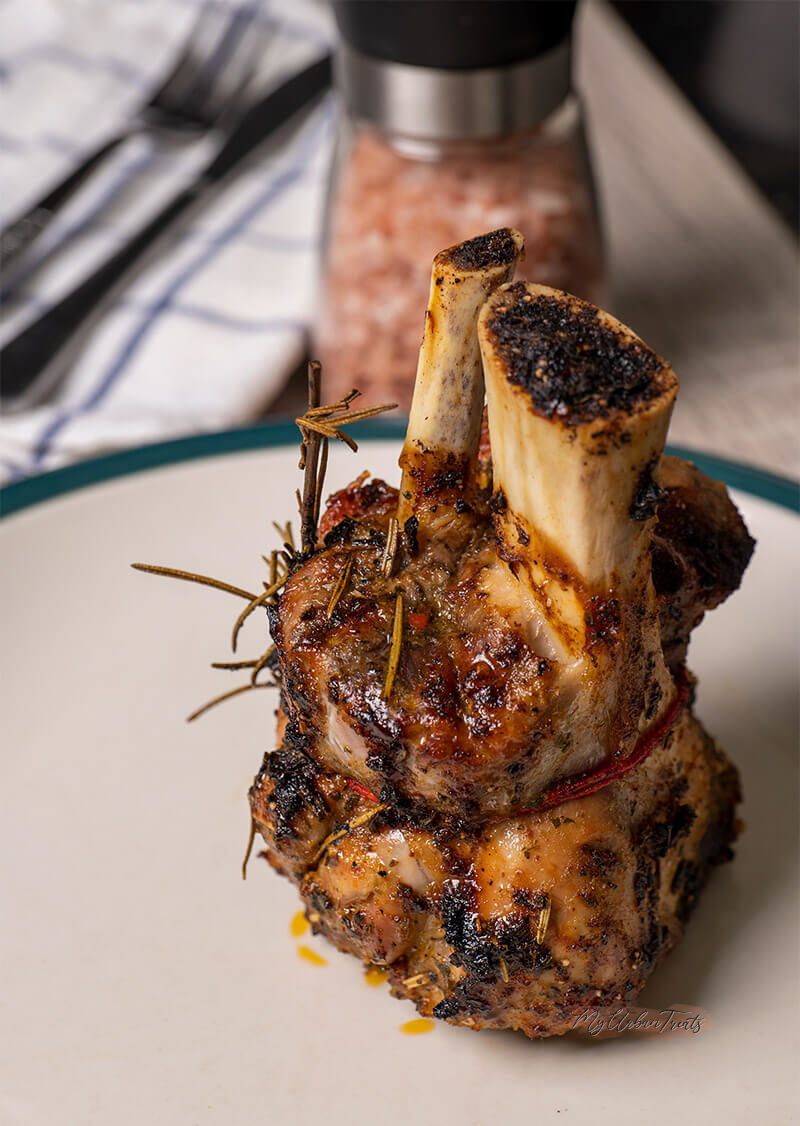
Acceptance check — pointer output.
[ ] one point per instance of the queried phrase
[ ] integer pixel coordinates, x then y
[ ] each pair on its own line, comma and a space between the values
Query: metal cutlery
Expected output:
202, 90
32, 364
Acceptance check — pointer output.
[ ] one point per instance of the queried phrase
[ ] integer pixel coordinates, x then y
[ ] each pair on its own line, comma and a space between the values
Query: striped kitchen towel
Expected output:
205, 337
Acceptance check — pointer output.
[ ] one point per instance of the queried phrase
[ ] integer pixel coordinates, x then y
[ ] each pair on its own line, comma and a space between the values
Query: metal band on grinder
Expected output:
433, 104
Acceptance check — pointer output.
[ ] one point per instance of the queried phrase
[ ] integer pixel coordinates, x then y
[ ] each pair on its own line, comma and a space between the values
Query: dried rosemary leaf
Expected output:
544, 919
390, 548
394, 652
354, 823
259, 665
255, 602
322, 470
285, 532
225, 696
341, 584
250, 840
189, 576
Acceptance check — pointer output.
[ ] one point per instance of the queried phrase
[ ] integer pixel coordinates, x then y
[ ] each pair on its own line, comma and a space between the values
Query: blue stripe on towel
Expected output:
211, 316
274, 190
126, 172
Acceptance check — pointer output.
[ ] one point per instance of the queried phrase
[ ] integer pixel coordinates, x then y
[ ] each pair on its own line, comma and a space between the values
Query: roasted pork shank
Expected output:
489, 778
520, 923
531, 644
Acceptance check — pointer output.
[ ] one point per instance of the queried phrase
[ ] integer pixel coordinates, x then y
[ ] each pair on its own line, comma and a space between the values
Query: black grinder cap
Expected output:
454, 34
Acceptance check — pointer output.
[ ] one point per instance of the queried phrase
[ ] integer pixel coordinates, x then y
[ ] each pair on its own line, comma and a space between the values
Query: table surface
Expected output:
701, 265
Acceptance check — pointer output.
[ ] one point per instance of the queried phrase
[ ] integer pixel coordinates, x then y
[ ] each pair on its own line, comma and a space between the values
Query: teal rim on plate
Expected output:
268, 435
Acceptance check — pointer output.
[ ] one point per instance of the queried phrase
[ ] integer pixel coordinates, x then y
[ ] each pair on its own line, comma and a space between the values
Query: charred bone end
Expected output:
445, 418
578, 412
498, 249
577, 363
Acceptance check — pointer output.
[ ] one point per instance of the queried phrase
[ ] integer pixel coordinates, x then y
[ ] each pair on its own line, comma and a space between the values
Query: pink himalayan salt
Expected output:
392, 214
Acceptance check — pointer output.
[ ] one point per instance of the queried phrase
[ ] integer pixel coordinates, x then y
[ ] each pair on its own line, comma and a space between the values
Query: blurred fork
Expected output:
34, 362
204, 86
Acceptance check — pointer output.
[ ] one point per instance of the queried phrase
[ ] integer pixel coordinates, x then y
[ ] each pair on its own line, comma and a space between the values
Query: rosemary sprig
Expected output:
354, 823
394, 652
190, 577
256, 601
330, 426
318, 426
544, 919
334, 408
285, 532
225, 696
250, 840
259, 665
322, 470
272, 566
415, 981
339, 588
309, 462
390, 549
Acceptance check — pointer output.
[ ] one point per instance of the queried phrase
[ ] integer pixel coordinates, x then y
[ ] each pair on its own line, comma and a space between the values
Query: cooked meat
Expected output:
700, 550
469, 681
490, 779
523, 923
532, 645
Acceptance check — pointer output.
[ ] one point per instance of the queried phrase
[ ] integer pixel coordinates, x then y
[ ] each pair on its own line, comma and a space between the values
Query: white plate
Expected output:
144, 982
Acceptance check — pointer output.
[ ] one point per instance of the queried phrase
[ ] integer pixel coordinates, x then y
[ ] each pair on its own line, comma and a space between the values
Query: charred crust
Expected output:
497, 248
294, 776
411, 528
463, 1000
532, 900
341, 533
274, 620
715, 844
498, 503
472, 948
717, 550
603, 620
373, 499
571, 364
647, 496
667, 568
699, 552
435, 473
320, 901
598, 860
658, 837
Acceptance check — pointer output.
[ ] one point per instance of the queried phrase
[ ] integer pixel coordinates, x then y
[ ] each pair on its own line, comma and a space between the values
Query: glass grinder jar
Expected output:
459, 117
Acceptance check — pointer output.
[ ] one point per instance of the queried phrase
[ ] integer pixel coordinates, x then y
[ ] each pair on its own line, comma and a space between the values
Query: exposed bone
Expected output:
445, 418
578, 413
540, 655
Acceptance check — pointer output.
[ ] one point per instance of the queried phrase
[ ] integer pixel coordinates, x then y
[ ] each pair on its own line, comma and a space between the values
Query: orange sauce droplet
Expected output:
375, 975
309, 955
298, 925
417, 1027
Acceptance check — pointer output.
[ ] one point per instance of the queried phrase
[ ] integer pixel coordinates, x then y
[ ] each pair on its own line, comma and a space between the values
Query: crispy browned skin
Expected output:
470, 709
700, 550
522, 923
